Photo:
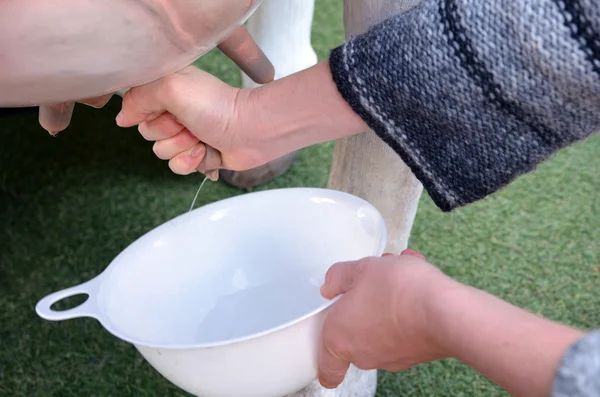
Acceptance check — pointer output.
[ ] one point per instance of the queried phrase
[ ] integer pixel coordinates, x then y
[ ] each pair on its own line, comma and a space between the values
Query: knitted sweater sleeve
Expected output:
472, 93
578, 374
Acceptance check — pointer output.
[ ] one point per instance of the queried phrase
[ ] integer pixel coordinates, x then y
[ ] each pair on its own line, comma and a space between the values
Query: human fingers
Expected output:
162, 127
166, 149
143, 102
211, 163
414, 253
185, 163
408, 252
340, 278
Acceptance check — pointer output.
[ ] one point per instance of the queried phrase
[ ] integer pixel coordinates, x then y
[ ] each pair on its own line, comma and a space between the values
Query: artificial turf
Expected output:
69, 204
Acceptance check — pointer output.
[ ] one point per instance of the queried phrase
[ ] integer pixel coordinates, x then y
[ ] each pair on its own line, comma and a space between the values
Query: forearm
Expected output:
300, 110
517, 350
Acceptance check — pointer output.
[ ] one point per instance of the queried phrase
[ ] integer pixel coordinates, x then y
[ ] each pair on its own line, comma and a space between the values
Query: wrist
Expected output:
297, 111
440, 312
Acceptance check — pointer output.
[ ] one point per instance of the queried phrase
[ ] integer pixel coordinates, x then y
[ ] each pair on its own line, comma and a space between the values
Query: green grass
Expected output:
69, 205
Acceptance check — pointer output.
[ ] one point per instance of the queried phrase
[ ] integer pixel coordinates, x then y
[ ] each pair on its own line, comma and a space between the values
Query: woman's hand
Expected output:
383, 319
201, 123
179, 110
400, 311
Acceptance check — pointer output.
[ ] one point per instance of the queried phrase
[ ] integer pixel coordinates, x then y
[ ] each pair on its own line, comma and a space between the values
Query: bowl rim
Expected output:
103, 320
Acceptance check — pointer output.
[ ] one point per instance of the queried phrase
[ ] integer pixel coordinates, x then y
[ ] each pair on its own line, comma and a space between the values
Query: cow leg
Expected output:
282, 29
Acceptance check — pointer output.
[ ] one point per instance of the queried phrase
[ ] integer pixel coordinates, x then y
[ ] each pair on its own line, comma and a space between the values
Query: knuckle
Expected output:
368, 261
352, 272
157, 148
177, 167
171, 87
365, 265
130, 99
144, 131
126, 100
183, 165
361, 265
339, 268
331, 273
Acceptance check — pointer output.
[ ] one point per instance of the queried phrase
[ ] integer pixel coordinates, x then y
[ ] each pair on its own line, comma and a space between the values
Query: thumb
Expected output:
141, 104
340, 278
332, 369
148, 101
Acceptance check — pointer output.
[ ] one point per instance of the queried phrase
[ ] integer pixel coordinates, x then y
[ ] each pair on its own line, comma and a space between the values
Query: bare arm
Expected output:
400, 311
318, 113
519, 351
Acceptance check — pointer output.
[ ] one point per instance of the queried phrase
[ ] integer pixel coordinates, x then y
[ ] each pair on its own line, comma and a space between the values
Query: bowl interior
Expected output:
235, 268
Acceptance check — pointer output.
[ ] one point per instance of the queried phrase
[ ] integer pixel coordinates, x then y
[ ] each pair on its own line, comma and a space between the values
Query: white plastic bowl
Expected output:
225, 301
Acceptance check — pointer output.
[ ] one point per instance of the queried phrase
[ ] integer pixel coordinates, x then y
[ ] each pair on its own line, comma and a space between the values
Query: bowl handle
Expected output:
89, 308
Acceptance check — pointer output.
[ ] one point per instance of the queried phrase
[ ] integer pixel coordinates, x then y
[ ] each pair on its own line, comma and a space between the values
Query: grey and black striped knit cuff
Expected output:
342, 76
579, 372
459, 90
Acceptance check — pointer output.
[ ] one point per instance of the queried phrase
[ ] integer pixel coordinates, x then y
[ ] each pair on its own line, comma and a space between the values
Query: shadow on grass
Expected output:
68, 206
